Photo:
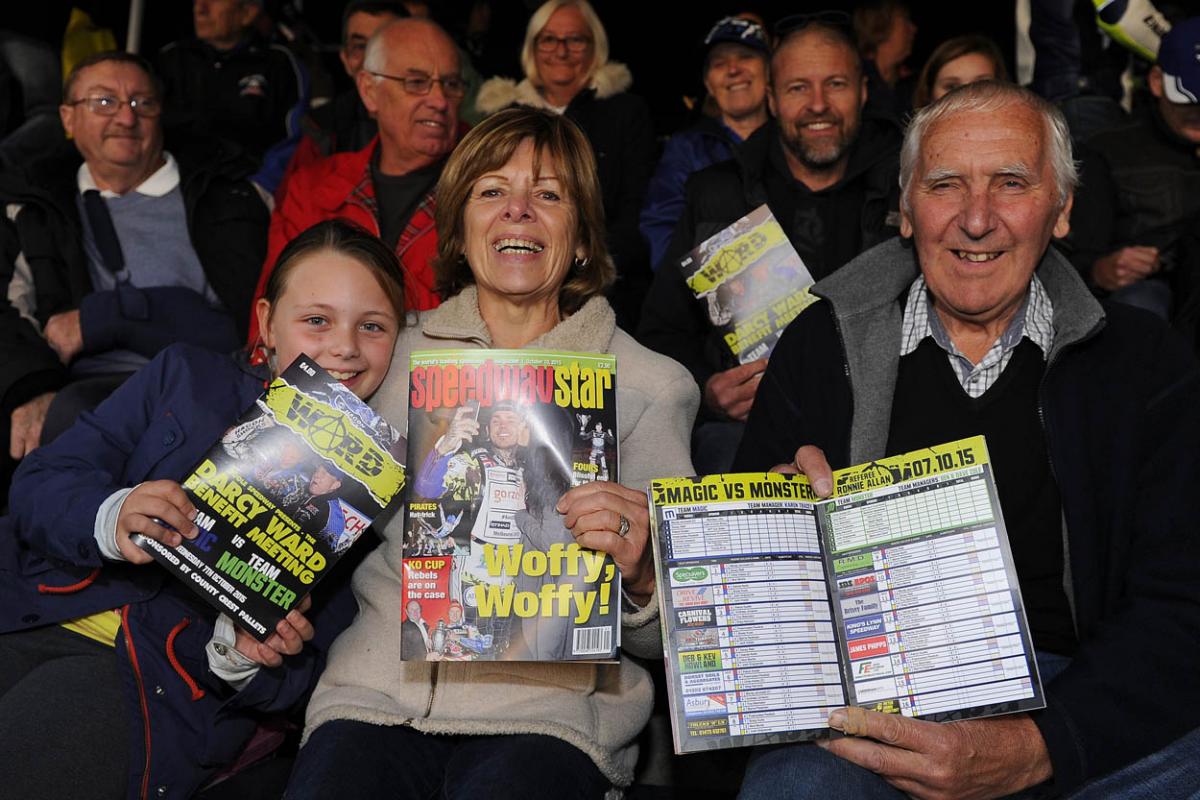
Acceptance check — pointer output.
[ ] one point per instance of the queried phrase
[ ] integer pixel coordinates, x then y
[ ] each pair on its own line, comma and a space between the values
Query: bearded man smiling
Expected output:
827, 173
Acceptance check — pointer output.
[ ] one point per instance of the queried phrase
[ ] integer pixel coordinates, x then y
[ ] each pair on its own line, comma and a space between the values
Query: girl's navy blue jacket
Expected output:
186, 723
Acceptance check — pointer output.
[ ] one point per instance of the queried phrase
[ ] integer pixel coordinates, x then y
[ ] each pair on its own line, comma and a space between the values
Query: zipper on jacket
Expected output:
837, 328
137, 677
1066, 554
433, 679
1041, 412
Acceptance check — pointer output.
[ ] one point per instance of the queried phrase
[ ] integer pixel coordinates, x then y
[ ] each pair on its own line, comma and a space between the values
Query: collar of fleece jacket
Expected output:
497, 93
590, 329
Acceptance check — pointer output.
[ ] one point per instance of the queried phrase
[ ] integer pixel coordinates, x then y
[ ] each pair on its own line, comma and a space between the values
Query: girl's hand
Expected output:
593, 513
145, 510
288, 639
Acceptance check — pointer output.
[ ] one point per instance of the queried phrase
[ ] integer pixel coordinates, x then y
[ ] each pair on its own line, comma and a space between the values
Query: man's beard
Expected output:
822, 155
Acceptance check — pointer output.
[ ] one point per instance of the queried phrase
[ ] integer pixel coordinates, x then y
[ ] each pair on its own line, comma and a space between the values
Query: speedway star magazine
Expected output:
490, 572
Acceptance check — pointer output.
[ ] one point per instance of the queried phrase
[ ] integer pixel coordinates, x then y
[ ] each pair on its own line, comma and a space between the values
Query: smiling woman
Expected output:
522, 262
520, 231
531, 178
957, 62
734, 71
568, 72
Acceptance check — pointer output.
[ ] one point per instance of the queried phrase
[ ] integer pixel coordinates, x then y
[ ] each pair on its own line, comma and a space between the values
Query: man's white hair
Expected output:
375, 57
990, 96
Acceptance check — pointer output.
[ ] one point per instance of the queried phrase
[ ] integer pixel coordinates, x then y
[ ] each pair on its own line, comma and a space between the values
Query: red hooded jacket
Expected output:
340, 186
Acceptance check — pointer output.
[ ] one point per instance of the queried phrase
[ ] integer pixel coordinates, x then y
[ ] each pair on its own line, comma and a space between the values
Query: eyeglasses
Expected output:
106, 105
548, 43
453, 86
833, 19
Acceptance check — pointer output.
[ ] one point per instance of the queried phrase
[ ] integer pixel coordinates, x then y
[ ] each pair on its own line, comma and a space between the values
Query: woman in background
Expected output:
957, 62
736, 72
567, 71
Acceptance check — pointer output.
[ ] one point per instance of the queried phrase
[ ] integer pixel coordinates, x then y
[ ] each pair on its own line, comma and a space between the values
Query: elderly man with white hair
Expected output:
412, 85
973, 324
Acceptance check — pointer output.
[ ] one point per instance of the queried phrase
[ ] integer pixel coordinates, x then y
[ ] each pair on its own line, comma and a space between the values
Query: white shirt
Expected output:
162, 181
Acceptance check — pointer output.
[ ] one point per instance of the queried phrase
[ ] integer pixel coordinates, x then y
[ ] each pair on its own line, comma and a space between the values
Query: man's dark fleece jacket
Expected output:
1139, 185
1118, 401
227, 224
827, 228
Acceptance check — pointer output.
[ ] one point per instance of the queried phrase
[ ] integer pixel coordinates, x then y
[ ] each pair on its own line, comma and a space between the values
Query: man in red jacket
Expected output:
411, 84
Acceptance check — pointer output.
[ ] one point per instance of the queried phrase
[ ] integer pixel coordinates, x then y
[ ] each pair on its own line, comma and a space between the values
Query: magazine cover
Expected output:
898, 594
751, 281
283, 495
490, 572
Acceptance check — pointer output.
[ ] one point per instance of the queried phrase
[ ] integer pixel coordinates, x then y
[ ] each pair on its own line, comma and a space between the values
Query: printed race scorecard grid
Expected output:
916, 511
757, 649
900, 594
924, 598
733, 529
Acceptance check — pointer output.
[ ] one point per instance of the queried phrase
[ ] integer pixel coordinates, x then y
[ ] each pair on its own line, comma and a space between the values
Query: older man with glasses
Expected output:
106, 262
411, 83
974, 324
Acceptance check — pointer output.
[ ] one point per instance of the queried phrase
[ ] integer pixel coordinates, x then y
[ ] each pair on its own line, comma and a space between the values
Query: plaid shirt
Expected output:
1035, 319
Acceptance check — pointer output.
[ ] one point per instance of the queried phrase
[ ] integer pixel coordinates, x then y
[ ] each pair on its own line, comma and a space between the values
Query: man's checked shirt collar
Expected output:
1034, 319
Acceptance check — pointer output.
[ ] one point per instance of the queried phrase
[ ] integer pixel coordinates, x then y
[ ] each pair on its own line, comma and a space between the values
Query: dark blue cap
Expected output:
1179, 59
738, 31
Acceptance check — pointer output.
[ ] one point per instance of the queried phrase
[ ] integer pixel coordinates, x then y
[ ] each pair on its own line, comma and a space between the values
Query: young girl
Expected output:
150, 691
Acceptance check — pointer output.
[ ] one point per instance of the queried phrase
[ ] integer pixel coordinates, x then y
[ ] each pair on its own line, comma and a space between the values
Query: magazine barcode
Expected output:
592, 641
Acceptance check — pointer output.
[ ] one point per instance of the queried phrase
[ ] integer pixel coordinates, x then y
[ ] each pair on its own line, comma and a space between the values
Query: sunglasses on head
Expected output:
832, 18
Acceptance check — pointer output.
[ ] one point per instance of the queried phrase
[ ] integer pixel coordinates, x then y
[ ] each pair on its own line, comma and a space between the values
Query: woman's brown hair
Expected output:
489, 146
946, 52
